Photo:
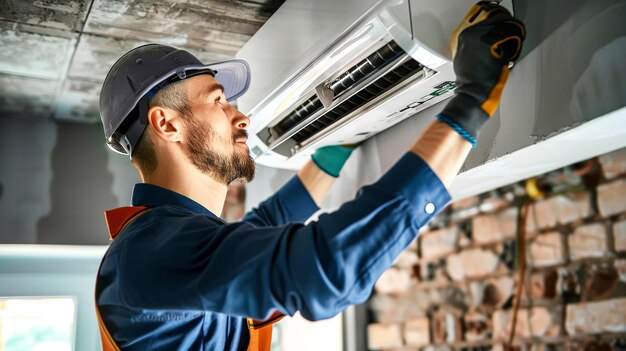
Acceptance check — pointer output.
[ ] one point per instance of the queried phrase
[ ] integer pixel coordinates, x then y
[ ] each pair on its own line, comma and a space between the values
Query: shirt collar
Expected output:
151, 195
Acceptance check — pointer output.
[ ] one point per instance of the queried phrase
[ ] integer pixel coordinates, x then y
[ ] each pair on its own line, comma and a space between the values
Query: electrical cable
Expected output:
520, 249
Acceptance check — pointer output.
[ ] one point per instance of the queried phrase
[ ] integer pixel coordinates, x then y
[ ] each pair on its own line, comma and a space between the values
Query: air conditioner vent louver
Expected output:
376, 88
354, 75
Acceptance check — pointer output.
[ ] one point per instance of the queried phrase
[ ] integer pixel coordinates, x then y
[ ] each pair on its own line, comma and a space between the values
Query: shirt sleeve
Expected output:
291, 203
318, 269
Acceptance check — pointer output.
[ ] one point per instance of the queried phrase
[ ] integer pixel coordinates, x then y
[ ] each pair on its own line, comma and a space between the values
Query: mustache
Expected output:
241, 133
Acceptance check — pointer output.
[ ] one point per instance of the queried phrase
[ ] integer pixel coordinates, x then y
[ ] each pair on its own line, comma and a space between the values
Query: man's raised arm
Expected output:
483, 45
302, 196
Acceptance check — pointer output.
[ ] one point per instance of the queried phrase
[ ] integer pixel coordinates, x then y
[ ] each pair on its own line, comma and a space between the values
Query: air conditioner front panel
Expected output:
367, 82
403, 104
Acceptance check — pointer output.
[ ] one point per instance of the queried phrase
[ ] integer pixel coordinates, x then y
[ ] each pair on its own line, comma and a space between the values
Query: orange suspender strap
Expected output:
116, 219
261, 332
108, 344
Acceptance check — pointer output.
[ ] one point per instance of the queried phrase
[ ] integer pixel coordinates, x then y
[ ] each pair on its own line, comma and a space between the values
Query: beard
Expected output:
201, 150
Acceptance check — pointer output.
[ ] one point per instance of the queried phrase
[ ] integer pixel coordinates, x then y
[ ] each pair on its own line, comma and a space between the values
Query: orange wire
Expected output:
521, 225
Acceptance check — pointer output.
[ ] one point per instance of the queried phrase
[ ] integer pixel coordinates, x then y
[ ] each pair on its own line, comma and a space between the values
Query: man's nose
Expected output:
240, 120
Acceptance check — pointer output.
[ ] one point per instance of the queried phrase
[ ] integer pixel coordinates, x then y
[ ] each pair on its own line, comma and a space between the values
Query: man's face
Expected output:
216, 133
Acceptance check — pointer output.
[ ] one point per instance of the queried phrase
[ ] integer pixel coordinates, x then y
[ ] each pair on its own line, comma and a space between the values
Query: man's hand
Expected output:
331, 159
487, 39
318, 175
483, 45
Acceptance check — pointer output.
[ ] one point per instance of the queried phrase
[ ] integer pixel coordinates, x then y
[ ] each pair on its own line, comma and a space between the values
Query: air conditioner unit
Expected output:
338, 72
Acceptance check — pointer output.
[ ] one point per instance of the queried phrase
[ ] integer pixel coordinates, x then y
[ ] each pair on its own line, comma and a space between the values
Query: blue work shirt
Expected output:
180, 278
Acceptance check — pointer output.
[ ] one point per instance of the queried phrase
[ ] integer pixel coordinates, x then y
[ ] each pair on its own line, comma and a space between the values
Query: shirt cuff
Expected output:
417, 183
299, 202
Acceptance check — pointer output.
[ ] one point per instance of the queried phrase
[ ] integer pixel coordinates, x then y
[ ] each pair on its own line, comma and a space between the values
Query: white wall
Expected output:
55, 270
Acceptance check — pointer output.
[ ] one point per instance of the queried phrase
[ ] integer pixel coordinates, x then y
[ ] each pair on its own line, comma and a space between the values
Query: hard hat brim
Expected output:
234, 75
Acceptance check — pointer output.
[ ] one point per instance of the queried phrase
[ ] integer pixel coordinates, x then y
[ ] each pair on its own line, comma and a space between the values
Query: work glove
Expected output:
483, 45
331, 159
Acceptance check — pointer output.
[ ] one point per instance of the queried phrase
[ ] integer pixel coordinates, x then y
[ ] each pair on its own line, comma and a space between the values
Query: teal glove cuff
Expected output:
331, 159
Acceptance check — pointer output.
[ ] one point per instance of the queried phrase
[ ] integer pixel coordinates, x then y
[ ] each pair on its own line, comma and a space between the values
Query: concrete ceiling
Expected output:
56, 53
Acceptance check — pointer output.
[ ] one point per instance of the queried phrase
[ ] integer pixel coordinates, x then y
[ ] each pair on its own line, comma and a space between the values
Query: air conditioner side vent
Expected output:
352, 76
379, 86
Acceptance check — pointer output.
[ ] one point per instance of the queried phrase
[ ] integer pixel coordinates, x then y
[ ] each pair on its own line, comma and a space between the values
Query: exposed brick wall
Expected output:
453, 289
234, 204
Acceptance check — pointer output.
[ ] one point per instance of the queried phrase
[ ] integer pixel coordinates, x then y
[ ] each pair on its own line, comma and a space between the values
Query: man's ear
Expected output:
165, 123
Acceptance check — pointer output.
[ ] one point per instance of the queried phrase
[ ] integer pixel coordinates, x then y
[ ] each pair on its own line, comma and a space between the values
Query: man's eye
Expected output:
218, 100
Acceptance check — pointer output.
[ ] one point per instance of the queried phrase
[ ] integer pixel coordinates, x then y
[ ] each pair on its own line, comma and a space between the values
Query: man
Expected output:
177, 277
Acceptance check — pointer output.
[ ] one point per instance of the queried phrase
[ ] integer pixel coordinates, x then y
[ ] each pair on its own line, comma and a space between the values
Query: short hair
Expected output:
174, 97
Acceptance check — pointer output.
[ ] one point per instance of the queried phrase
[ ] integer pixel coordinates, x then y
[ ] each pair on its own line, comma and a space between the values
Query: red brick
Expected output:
621, 269
494, 227
614, 163
386, 308
439, 242
539, 346
234, 203
447, 327
417, 332
546, 249
406, 260
396, 309
619, 235
433, 272
232, 212
394, 281
419, 302
477, 326
569, 284
560, 209
543, 285
589, 344
453, 297
236, 193
601, 281
464, 241
588, 241
492, 292
542, 214
596, 317
611, 198
383, 336
502, 324
545, 322
572, 207
537, 321
471, 263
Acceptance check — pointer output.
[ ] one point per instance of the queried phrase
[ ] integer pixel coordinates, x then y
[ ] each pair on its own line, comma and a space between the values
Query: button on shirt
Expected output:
180, 278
